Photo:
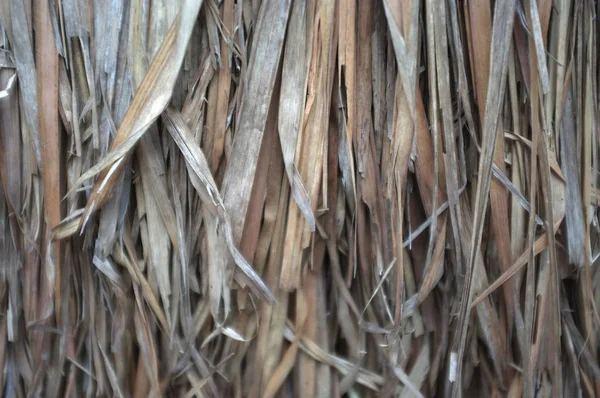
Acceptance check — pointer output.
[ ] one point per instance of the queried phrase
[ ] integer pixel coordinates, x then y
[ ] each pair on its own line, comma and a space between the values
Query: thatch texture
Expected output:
277, 198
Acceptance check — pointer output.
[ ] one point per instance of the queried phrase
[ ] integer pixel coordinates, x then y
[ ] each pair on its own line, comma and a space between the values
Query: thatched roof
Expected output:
275, 198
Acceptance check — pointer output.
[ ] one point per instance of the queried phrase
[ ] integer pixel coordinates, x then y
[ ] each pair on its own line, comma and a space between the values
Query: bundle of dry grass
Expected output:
276, 198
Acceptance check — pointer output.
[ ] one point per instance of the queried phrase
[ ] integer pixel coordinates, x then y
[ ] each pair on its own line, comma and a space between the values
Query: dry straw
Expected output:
299, 198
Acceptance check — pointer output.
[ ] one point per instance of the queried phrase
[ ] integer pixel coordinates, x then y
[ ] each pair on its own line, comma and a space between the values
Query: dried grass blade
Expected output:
283, 369
150, 100
197, 163
501, 35
24, 60
311, 141
405, 55
291, 104
262, 69
540, 244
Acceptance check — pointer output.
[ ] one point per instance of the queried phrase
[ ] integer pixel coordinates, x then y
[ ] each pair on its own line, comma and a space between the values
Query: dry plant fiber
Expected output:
299, 198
